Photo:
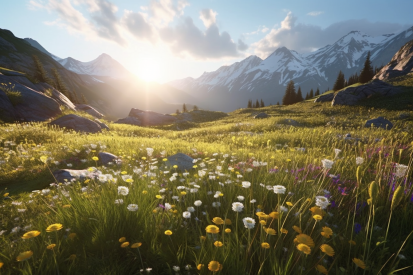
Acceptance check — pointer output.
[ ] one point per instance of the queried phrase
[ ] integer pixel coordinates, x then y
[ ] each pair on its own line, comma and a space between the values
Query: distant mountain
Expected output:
37, 45
230, 87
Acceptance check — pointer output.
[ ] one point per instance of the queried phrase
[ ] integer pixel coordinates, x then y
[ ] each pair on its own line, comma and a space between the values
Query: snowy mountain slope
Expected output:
37, 45
268, 78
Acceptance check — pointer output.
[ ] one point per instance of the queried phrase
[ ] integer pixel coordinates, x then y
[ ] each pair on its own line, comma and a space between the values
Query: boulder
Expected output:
89, 109
325, 98
149, 118
7, 112
352, 96
77, 123
56, 95
129, 120
404, 116
291, 122
261, 115
102, 125
105, 158
379, 122
184, 162
63, 175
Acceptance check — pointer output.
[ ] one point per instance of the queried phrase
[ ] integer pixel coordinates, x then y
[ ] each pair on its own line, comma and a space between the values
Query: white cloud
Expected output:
305, 37
315, 13
208, 16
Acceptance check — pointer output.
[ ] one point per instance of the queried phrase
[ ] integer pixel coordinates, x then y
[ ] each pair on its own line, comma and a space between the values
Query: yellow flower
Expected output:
297, 229
263, 222
168, 232
51, 246
1, 264
125, 244
72, 257
270, 231
6, 194
265, 245
212, 229
274, 215
359, 263
315, 210
218, 220
66, 206
321, 269
54, 227
123, 172
195, 166
165, 159
136, 245
327, 249
183, 193
202, 238
218, 244
227, 230
284, 231
144, 192
158, 196
30, 234
289, 203
72, 236
228, 222
122, 240
304, 248
24, 256
304, 239
317, 217
327, 232
352, 242
95, 158
214, 266
200, 266
175, 166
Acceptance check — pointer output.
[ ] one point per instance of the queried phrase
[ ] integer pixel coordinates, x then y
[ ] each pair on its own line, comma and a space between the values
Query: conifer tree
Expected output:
195, 108
184, 109
40, 73
299, 96
306, 96
257, 104
262, 103
278, 103
59, 84
340, 82
311, 95
290, 95
366, 73
317, 92
84, 101
249, 104
177, 111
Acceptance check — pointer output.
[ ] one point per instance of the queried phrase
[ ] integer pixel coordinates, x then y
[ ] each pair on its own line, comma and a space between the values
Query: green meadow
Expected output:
328, 196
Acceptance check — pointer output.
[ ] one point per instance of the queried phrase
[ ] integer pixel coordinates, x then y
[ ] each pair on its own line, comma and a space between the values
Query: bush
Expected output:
15, 97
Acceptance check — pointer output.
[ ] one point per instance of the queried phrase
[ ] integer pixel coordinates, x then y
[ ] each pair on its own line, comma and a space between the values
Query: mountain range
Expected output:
254, 78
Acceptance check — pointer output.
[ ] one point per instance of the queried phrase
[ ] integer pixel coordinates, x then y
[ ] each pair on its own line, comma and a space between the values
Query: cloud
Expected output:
261, 29
187, 39
137, 24
315, 13
208, 16
305, 37
162, 12
241, 45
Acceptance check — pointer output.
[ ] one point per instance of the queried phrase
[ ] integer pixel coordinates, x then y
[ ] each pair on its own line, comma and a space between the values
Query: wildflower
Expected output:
317, 211
327, 164
237, 206
352, 242
24, 256
270, 231
336, 152
304, 248
321, 269
1, 264
136, 245
200, 266
149, 152
197, 203
289, 203
246, 184
214, 266
274, 215
304, 239
191, 209
186, 214
297, 229
168, 232
322, 202
317, 217
265, 245
284, 231
249, 223
218, 244
328, 250
253, 201
359, 263
51, 246
132, 207
400, 170
123, 190
228, 222
327, 232
240, 198
227, 230
176, 268
213, 229
401, 257
54, 227
283, 208
30, 234
119, 201
359, 160
216, 204
72, 257
124, 244
279, 189
218, 220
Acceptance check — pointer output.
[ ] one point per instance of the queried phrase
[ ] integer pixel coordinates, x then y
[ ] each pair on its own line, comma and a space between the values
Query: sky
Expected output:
164, 40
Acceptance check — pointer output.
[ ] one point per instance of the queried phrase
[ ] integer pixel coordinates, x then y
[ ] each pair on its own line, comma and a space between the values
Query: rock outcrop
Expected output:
67, 175
325, 98
400, 64
184, 162
106, 158
353, 95
89, 109
379, 122
129, 120
147, 118
77, 123
56, 95
261, 115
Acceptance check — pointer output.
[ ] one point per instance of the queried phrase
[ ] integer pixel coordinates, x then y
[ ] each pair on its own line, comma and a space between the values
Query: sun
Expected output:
149, 69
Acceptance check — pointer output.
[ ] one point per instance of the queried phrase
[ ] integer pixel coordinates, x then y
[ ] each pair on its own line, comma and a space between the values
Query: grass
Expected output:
15, 97
231, 150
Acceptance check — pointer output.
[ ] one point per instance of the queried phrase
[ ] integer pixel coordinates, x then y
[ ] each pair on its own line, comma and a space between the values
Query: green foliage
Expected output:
290, 95
40, 73
367, 72
340, 82
15, 97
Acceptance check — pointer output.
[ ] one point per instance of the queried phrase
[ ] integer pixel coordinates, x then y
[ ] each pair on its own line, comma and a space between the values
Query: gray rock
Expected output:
77, 123
379, 122
325, 98
289, 121
6, 45
23, 80
105, 158
6, 108
63, 175
56, 95
347, 135
103, 125
404, 116
184, 162
129, 120
89, 109
149, 118
261, 115
352, 96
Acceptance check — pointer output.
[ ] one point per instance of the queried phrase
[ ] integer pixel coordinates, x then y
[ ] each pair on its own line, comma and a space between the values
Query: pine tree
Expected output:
366, 73
306, 96
195, 108
262, 103
289, 95
84, 101
177, 111
184, 109
340, 82
278, 103
311, 95
299, 96
257, 104
317, 92
249, 104
59, 84
40, 73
